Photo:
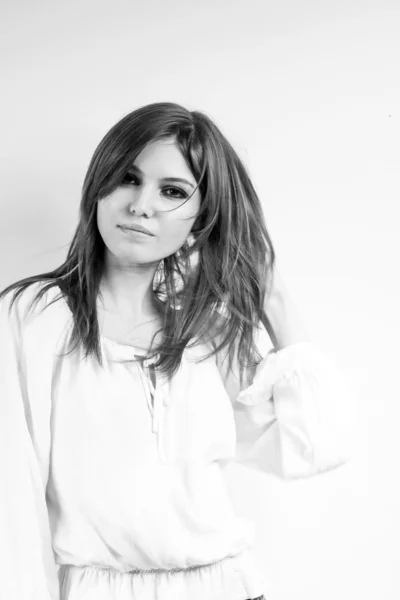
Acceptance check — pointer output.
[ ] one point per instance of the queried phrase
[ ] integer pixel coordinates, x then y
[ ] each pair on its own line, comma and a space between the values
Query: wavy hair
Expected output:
212, 290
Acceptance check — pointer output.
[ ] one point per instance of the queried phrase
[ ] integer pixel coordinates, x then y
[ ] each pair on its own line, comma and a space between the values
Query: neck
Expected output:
128, 291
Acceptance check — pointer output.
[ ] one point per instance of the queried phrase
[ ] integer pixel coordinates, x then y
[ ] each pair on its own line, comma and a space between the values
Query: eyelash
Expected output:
183, 194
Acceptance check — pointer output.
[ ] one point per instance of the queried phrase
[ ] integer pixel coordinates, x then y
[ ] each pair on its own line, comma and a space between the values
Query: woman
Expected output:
131, 374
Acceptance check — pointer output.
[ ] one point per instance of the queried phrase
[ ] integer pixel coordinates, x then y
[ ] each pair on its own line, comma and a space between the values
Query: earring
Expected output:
190, 240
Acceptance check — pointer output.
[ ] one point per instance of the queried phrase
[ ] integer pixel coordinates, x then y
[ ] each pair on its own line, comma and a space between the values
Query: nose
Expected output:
142, 203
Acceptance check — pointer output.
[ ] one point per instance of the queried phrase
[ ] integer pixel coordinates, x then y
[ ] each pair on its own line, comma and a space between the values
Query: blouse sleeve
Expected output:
27, 565
294, 420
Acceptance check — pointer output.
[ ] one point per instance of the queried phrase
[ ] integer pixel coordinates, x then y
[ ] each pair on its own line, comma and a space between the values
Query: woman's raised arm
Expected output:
294, 416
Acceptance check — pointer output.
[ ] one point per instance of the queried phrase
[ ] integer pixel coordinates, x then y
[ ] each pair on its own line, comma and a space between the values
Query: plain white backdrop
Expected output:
308, 93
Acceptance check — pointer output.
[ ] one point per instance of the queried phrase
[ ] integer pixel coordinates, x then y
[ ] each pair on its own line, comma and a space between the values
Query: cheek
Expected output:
175, 228
107, 219
103, 217
173, 235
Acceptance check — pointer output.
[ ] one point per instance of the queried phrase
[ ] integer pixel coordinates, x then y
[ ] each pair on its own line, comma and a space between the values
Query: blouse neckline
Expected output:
117, 343
121, 350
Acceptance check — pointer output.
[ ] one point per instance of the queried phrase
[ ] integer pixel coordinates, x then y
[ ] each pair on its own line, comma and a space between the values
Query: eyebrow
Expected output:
180, 179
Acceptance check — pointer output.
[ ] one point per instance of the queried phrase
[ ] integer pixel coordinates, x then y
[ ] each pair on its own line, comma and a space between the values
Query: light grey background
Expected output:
308, 92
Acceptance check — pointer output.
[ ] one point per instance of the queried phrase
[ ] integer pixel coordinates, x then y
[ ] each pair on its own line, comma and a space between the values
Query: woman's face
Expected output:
145, 199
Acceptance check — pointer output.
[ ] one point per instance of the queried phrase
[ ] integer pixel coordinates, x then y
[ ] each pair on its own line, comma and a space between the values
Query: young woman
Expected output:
163, 347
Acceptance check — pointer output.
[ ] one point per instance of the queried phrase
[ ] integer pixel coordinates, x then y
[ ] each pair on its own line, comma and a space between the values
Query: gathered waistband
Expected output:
233, 578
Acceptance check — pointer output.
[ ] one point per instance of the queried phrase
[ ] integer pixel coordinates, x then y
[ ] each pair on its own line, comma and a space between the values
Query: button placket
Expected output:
161, 400
161, 395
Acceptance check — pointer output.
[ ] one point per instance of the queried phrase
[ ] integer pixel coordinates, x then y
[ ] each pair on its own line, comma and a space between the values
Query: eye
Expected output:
127, 180
182, 194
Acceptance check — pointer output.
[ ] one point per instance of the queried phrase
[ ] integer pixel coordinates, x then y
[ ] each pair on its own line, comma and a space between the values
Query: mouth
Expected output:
136, 229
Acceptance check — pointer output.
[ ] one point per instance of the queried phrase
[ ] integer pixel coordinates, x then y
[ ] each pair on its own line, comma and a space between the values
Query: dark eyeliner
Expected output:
168, 188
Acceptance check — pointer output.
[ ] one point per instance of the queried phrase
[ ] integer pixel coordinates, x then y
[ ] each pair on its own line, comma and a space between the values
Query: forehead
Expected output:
158, 152
162, 159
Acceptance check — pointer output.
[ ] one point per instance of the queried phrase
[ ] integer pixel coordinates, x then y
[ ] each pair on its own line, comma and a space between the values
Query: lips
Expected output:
137, 228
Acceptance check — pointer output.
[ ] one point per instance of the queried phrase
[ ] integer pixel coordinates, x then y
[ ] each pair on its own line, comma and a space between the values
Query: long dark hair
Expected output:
212, 290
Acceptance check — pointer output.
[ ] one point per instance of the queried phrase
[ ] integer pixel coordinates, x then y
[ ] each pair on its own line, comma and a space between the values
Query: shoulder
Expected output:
212, 339
230, 372
22, 305
16, 299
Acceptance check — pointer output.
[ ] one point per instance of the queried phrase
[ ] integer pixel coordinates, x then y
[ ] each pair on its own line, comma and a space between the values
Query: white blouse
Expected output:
112, 488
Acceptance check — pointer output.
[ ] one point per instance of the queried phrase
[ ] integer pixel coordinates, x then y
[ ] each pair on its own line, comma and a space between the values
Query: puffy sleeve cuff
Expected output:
294, 420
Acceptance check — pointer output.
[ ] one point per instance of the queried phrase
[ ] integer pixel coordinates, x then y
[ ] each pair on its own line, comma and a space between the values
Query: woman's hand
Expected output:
284, 326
